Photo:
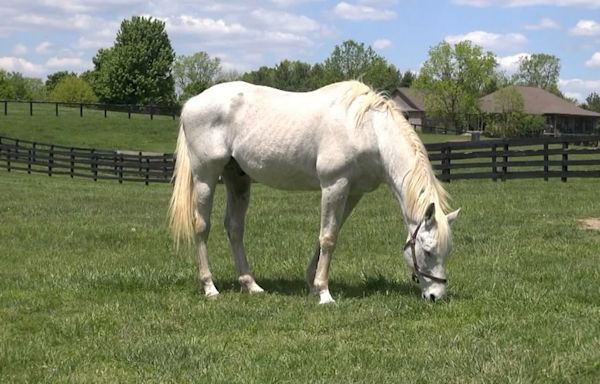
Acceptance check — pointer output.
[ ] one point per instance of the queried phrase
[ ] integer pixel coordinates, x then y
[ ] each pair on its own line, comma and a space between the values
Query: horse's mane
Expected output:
420, 186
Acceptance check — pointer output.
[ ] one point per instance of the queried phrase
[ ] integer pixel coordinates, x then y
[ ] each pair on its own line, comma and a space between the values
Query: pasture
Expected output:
92, 290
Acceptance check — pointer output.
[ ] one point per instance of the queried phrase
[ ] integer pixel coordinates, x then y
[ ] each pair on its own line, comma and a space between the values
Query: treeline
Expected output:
142, 68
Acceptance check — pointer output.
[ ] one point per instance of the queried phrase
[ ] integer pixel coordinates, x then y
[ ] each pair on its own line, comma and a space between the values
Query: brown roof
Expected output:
409, 99
537, 101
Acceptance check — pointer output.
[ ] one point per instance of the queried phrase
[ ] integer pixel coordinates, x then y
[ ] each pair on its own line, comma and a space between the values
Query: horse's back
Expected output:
275, 136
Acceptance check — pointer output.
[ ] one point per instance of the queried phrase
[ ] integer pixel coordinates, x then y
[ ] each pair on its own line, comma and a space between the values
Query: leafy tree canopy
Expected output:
137, 69
193, 74
539, 70
73, 89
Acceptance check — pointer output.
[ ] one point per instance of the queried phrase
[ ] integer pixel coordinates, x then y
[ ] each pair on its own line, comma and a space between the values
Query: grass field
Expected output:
91, 290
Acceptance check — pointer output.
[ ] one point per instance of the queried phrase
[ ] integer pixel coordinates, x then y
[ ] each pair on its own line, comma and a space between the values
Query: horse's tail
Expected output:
183, 203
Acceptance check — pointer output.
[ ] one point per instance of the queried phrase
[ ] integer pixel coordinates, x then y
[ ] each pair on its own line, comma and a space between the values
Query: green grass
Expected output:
91, 290
115, 131
92, 130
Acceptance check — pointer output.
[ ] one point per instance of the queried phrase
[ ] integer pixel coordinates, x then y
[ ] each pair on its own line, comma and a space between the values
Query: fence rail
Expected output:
563, 157
131, 109
97, 164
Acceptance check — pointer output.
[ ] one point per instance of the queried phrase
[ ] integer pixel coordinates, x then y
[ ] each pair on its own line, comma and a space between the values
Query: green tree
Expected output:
453, 79
137, 69
73, 89
193, 74
354, 61
539, 70
19, 87
6, 90
56, 78
407, 79
592, 102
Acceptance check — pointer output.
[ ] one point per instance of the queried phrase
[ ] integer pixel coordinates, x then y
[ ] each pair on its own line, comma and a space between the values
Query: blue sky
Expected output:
38, 37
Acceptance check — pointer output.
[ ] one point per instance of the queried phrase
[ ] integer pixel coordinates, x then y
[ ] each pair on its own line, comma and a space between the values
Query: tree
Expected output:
18, 87
193, 74
56, 78
592, 102
453, 79
354, 61
539, 70
137, 69
407, 79
73, 89
287, 75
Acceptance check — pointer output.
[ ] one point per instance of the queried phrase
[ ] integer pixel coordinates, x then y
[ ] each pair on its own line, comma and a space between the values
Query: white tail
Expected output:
183, 201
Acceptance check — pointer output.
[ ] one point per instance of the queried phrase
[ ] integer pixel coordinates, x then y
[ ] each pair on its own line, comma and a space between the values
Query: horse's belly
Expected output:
279, 170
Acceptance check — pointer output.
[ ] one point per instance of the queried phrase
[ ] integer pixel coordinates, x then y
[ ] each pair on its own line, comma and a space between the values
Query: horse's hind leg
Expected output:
238, 198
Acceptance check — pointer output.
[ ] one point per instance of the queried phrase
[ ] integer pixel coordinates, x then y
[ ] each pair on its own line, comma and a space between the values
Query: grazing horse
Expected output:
343, 139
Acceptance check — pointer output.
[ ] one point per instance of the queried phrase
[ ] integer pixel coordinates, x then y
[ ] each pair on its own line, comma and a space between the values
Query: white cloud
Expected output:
359, 12
204, 25
510, 64
43, 47
382, 44
594, 62
493, 41
64, 62
20, 49
17, 64
285, 21
586, 28
544, 23
578, 88
528, 3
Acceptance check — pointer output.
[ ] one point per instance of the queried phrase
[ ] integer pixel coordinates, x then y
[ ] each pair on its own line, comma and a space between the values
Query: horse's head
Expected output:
426, 250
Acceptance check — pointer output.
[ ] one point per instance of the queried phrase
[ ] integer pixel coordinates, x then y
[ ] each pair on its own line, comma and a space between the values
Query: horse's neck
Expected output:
397, 155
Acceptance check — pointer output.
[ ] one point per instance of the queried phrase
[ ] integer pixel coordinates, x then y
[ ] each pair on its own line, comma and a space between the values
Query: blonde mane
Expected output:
420, 186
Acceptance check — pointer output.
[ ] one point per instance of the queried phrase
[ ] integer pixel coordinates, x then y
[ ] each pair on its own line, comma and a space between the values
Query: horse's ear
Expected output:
452, 216
430, 214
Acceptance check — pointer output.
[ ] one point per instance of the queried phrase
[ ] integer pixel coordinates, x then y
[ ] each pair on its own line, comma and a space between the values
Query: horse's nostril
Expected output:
432, 297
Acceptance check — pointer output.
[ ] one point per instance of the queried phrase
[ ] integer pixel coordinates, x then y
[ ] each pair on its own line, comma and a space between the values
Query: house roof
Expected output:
537, 101
409, 99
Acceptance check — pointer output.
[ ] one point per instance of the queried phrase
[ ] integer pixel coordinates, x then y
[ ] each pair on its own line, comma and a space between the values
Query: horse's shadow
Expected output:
370, 286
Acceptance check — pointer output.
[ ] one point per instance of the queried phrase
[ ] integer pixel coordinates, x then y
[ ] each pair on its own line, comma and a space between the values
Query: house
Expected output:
412, 103
562, 117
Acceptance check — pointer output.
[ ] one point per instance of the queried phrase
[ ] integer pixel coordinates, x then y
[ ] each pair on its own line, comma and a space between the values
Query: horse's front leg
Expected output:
333, 203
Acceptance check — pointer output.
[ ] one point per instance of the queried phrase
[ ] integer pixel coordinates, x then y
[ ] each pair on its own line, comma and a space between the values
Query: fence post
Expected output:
81, 110
29, 161
565, 161
56, 109
121, 168
94, 165
505, 161
546, 161
147, 170
72, 158
129, 112
105, 108
30, 108
446, 151
50, 160
5, 107
494, 163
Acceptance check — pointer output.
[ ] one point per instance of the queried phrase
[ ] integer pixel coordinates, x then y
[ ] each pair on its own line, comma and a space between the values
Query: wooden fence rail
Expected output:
564, 158
32, 157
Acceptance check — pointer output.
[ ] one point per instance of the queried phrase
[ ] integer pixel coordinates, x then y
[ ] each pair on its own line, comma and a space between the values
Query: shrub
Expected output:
72, 89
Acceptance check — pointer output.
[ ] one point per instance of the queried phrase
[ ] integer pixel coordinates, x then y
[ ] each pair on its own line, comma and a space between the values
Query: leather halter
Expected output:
418, 273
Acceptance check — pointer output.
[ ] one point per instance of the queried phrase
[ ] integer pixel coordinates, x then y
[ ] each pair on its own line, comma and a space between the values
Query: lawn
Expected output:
91, 290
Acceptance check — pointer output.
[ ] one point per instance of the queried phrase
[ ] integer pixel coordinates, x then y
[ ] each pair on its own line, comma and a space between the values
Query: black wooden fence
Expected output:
504, 159
563, 157
97, 164
131, 109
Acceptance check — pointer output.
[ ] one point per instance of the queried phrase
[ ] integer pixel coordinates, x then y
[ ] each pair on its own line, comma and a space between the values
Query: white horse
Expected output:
343, 139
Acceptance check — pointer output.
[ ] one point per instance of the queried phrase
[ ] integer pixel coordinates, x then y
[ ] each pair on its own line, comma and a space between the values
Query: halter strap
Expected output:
418, 273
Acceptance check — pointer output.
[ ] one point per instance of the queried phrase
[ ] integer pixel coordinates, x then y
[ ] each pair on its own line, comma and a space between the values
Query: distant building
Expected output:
562, 117
412, 103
